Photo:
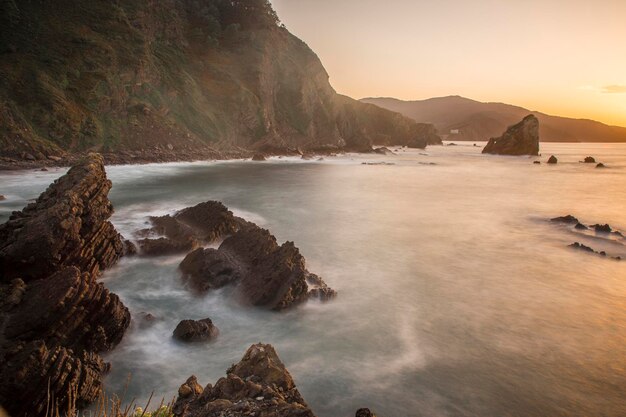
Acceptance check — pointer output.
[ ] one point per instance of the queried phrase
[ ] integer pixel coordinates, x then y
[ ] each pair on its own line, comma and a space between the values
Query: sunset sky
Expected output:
562, 57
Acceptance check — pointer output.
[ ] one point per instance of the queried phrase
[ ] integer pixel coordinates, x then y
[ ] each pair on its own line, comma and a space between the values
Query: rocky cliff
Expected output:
519, 139
173, 79
55, 318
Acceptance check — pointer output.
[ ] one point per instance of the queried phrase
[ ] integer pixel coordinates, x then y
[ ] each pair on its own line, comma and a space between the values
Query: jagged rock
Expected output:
600, 165
602, 228
519, 139
55, 321
590, 160
266, 274
553, 160
258, 385
581, 226
67, 225
569, 219
195, 331
259, 157
189, 228
580, 246
364, 412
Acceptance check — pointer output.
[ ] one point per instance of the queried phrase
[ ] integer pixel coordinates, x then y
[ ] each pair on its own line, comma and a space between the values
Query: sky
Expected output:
561, 57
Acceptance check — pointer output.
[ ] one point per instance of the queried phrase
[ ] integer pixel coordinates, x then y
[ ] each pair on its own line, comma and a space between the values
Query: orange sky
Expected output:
562, 57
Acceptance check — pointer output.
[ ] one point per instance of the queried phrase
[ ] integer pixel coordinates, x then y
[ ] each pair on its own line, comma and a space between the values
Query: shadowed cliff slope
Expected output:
181, 77
480, 121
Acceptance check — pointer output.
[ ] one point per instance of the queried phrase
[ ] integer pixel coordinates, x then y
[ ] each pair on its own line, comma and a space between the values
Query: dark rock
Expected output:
266, 274
600, 165
569, 219
189, 228
553, 160
581, 226
55, 321
577, 245
364, 412
259, 157
44, 169
129, 248
195, 331
519, 139
590, 160
537, 162
383, 151
602, 228
2, 198
258, 385
67, 225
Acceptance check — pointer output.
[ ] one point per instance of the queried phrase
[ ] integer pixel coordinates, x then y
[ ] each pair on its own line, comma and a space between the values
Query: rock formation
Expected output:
519, 139
259, 385
266, 274
54, 317
195, 330
189, 228
569, 219
553, 160
67, 226
590, 160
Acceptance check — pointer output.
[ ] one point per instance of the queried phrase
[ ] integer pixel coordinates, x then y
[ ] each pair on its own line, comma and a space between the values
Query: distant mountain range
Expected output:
460, 118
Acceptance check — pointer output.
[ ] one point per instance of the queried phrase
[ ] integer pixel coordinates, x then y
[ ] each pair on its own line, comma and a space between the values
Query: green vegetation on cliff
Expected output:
177, 75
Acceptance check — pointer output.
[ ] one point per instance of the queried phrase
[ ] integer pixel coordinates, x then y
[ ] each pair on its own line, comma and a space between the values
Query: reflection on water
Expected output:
456, 297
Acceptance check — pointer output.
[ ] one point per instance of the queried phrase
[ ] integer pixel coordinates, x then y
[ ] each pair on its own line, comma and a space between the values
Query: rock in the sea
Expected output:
259, 157
364, 412
537, 162
602, 228
383, 151
195, 330
577, 245
2, 198
189, 228
66, 226
569, 219
581, 226
265, 274
600, 165
553, 160
57, 319
259, 385
519, 139
590, 160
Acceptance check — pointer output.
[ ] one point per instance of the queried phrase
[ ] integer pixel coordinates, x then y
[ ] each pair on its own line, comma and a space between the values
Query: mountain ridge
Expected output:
480, 121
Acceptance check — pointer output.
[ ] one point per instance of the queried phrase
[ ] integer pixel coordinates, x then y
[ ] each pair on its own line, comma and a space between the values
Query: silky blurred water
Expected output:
456, 296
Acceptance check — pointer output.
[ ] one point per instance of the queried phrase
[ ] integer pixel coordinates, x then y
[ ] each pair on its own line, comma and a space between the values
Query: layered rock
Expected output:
55, 321
266, 274
66, 226
189, 228
258, 385
519, 139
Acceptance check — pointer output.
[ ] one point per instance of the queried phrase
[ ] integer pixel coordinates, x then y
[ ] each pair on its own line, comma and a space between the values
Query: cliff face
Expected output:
175, 76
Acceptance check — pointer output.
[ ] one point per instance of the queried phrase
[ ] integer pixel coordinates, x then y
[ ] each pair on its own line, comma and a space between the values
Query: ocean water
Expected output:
457, 296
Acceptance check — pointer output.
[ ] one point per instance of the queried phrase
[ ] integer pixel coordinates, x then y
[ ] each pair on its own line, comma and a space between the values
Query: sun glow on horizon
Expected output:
558, 57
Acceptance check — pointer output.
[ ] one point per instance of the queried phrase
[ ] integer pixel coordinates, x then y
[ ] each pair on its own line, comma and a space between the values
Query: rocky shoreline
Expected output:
56, 319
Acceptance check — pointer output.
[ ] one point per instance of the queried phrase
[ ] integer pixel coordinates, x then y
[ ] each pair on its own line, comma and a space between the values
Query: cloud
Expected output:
614, 89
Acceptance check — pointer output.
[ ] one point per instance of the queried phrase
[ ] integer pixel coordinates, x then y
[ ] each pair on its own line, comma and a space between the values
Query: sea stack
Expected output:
55, 318
519, 139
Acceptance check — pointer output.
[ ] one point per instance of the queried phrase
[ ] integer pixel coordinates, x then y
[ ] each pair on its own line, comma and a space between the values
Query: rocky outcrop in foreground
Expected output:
519, 139
258, 385
266, 274
54, 317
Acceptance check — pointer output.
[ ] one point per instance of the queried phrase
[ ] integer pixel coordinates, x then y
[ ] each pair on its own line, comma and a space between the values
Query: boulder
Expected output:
189, 228
195, 330
553, 160
519, 139
66, 226
600, 165
569, 219
265, 274
55, 318
259, 385
590, 160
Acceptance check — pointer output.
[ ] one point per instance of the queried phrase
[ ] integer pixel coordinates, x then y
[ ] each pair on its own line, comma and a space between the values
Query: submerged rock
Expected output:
569, 219
265, 274
67, 225
519, 139
553, 160
590, 160
259, 385
537, 162
195, 330
581, 226
600, 165
55, 318
602, 228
